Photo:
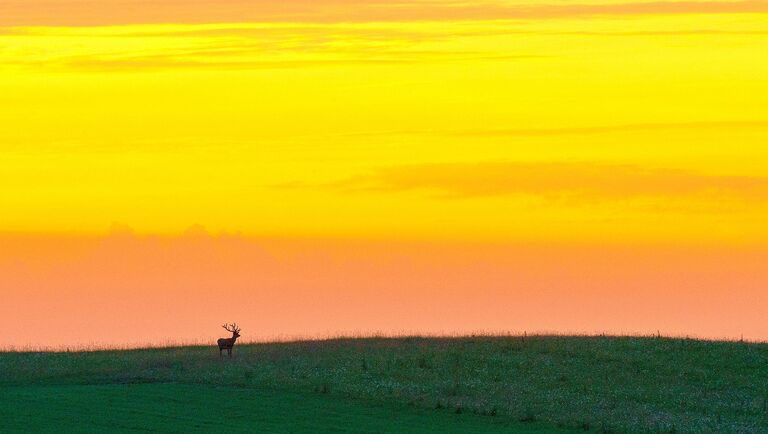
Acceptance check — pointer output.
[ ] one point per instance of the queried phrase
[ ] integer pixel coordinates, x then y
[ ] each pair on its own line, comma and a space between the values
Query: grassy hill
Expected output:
474, 384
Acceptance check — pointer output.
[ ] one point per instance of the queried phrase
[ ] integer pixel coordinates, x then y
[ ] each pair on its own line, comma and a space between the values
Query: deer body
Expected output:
228, 343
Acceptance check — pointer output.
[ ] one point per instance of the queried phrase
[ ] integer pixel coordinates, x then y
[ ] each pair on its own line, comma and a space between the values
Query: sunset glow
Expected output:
340, 166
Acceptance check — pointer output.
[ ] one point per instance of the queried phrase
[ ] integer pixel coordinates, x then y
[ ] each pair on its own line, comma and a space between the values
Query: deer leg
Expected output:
219, 351
229, 351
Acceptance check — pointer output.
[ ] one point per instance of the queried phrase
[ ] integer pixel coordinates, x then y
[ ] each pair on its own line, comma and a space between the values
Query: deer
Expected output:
228, 343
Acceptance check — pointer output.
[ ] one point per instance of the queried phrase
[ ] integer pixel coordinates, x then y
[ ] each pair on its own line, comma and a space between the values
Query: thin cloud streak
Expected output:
240, 48
321, 32
213, 60
578, 181
607, 129
90, 12
568, 131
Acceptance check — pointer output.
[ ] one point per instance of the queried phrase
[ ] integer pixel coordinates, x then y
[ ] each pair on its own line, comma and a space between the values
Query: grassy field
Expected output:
189, 408
474, 384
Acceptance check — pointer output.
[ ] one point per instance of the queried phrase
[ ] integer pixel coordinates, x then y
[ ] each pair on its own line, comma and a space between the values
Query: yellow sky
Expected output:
429, 166
492, 121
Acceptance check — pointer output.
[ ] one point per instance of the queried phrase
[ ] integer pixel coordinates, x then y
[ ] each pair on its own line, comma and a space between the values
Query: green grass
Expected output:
190, 408
477, 384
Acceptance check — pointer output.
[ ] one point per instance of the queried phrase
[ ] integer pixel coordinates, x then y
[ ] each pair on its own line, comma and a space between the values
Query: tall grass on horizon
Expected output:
201, 342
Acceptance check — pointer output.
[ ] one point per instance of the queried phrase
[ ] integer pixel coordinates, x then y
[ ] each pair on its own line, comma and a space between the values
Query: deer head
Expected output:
234, 329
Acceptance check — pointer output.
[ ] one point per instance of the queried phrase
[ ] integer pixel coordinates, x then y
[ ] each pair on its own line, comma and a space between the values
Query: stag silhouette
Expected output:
228, 343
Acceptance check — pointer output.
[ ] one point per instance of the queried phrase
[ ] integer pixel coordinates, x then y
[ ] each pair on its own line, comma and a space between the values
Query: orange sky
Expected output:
129, 289
422, 166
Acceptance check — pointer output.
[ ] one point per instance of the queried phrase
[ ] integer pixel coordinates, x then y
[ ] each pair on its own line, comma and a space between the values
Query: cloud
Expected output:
693, 32
568, 131
289, 37
231, 60
96, 12
321, 32
232, 47
581, 181
605, 129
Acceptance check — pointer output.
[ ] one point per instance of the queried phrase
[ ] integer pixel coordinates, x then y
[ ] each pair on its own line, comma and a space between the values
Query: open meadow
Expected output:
535, 384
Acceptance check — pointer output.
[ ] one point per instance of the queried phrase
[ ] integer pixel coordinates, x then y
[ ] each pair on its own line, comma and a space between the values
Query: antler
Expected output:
231, 327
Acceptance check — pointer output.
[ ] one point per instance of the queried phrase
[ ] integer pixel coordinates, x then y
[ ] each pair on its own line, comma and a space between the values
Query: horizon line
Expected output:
293, 339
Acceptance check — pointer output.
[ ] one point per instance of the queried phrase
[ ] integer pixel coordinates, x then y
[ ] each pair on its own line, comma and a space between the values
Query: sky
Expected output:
325, 167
